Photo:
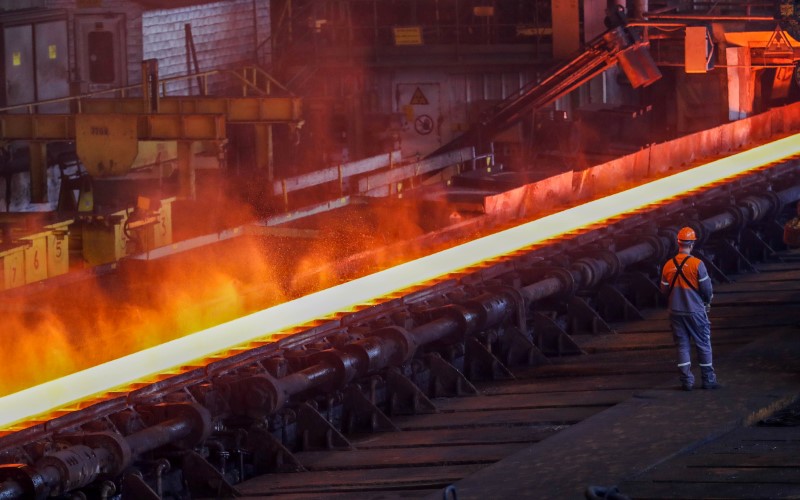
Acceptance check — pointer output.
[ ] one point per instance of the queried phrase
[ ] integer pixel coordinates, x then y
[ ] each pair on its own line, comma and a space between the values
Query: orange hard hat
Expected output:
686, 234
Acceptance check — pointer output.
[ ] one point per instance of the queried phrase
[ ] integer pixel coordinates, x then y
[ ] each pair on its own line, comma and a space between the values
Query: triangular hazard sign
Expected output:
419, 99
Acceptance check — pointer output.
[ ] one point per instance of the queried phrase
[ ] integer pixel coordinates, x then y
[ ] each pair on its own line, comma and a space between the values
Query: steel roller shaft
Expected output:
102, 454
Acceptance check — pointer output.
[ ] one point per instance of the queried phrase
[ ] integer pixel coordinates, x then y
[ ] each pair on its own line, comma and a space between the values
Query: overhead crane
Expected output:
107, 131
107, 144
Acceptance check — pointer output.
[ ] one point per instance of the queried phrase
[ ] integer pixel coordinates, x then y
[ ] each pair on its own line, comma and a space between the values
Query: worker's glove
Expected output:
708, 307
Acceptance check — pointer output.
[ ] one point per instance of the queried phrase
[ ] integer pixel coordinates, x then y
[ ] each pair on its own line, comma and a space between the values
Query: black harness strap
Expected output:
679, 273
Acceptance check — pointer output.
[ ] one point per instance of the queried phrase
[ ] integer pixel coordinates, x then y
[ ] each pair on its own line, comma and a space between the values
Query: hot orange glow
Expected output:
261, 325
51, 333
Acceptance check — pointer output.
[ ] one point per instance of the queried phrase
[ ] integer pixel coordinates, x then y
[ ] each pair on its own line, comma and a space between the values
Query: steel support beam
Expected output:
235, 109
152, 127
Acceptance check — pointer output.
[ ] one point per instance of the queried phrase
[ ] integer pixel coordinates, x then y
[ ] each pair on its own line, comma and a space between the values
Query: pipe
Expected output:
436, 329
707, 17
635, 253
789, 195
162, 467
719, 222
158, 435
213, 444
74, 467
79, 465
297, 382
11, 490
108, 489
542, 289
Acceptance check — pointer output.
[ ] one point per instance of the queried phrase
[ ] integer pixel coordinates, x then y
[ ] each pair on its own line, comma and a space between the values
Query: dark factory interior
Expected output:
393, 249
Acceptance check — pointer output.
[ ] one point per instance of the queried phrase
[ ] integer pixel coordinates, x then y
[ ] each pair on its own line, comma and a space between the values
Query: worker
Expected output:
684, 279
791, 231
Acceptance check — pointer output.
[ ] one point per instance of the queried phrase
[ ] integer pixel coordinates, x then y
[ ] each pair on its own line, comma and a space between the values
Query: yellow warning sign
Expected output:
419, 99
16, 58
409, 35
51, 52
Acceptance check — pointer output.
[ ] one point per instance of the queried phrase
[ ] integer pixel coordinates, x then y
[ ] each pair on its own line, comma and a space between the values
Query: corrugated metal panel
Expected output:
224, 34
170, 4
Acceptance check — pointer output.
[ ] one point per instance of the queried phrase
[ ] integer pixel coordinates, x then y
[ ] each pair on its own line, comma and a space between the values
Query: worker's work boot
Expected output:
687, 377
709, 377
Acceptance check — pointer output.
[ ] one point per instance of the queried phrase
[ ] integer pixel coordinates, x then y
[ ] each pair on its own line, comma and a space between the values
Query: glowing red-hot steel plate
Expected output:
100, 379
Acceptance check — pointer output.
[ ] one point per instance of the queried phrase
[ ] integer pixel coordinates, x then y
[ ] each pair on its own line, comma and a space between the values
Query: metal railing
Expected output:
249, 79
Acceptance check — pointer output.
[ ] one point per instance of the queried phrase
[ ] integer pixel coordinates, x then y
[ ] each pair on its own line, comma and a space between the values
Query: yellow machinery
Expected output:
32, 252
111, 236
115, 136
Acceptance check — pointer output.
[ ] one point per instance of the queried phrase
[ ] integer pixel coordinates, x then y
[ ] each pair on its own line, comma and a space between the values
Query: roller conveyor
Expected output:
525, 309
